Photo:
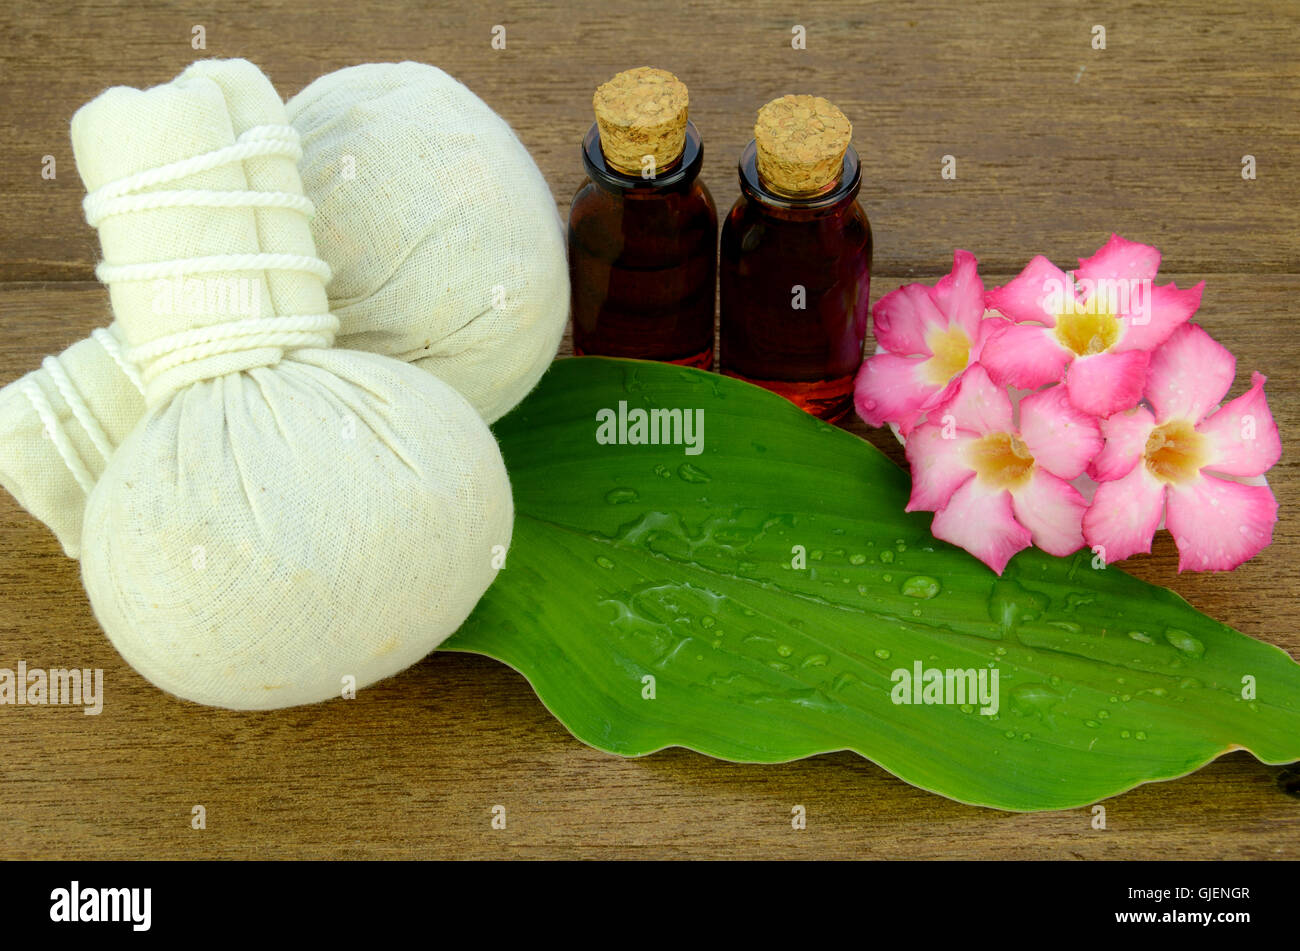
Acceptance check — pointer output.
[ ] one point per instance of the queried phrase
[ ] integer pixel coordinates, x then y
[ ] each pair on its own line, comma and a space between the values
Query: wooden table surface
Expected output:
1056, 143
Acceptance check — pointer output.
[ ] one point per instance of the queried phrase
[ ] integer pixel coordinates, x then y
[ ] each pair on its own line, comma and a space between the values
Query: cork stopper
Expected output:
800, 143
641, 112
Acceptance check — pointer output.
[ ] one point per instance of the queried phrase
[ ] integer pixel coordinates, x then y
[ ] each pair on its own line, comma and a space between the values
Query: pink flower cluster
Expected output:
1123, 389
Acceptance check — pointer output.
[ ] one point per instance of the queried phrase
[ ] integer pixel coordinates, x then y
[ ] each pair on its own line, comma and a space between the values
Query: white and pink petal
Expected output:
1159, 311
892, 389
960, 294
978, 405
1217, 524
989, 325
902, 319
1108, 382
1033, 295
1052, 510
937, 458
982, 521
1189, 375
1125, 434
1120, 259
1243, 435
1025, 356
1061, 437
1122, 519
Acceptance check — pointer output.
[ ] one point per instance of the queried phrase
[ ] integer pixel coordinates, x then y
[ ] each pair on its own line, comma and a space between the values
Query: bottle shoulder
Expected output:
692, 207
848, 213
752, 227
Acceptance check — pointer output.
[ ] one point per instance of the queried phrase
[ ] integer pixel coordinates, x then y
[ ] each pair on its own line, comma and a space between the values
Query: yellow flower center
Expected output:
1175, 451
951, 349
1001, 461
1087, 334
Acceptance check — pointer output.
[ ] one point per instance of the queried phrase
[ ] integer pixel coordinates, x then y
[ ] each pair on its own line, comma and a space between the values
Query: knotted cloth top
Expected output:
260, 537
208, 252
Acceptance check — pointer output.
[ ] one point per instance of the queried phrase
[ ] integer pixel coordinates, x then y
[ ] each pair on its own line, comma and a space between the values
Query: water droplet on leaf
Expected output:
920, 586
690, 473
1184, 642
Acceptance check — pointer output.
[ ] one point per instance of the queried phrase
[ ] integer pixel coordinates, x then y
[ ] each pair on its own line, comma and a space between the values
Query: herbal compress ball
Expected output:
446, 245
287, 518
445, 248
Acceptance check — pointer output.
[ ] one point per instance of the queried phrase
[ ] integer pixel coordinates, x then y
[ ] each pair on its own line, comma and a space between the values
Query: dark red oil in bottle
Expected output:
643, 260
795, 286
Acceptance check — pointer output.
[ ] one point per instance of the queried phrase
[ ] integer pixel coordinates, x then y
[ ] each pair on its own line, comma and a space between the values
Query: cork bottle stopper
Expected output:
641, 112
800, 143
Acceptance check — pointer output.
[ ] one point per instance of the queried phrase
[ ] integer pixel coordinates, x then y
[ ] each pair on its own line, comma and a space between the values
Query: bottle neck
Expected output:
840, 193
678, 176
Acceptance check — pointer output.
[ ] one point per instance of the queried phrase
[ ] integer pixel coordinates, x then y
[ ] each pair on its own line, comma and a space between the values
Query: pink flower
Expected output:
932, 334
1160, 463
996, 487
1094, 329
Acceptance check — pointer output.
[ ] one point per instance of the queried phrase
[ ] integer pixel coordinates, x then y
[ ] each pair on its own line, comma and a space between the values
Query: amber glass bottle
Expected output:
795, 265
643, 230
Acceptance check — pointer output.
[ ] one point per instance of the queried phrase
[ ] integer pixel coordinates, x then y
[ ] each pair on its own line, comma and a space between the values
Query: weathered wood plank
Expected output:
1056, 144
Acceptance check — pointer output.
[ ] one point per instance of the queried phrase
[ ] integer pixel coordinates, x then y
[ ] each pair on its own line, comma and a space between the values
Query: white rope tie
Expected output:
68, 390
132, 194
62, 444
305, 330
115, 350
199, 198
293, 332
63, 382
262, 140
126, 195
266, 261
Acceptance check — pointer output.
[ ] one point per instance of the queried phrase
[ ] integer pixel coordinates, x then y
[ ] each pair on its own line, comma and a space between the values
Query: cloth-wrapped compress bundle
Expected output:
287, 518
446, 251
446, 245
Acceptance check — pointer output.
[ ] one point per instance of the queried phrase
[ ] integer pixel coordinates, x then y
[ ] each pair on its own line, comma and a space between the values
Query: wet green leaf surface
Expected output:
772, 585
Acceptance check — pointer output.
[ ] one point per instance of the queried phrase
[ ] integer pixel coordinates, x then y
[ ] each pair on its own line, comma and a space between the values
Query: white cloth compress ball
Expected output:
446, 244
287, 519
446, 250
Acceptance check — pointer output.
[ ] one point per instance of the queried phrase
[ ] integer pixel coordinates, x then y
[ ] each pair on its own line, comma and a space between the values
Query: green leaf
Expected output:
632, 561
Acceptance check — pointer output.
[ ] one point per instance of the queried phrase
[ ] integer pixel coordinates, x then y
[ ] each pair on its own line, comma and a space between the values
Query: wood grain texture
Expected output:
1057, 144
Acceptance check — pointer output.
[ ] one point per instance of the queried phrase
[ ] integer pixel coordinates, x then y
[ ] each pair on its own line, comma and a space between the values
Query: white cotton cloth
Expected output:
446, 252
59, 425
287, 520
446, 244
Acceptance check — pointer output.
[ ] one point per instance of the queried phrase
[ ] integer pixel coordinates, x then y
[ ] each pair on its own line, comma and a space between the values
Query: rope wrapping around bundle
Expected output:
58, 436
212, 264
117, 352
272, 336
79, 405
288, 333
279, 516
260, 141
